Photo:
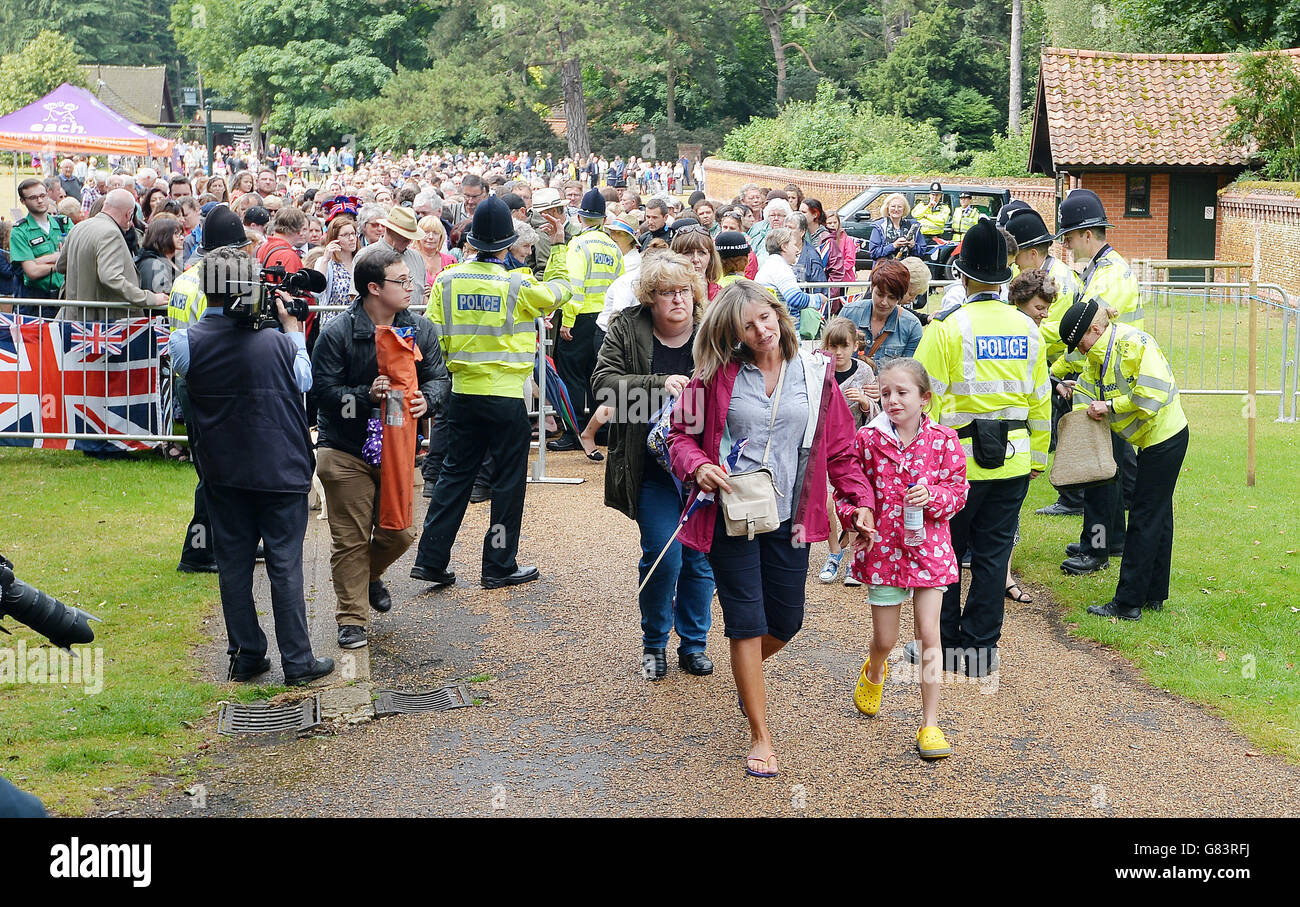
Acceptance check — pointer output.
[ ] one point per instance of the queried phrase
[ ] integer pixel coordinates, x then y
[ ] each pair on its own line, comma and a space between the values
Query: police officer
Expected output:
485, 319
187, 303
1127, 380
594, 261
246, 406
1108, 279
964, 217
933, 215
989, 372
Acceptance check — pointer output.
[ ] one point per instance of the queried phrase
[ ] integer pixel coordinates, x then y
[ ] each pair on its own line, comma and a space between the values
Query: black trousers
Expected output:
476, 427
988, 524
1144, 573
574, 361
1103, 507
239, 519
197, 549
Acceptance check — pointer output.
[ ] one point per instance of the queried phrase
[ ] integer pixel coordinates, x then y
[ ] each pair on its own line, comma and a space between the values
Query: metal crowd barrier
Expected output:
1203, 329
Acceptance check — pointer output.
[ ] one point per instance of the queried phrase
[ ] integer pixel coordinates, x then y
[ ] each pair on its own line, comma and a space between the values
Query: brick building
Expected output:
1143, 131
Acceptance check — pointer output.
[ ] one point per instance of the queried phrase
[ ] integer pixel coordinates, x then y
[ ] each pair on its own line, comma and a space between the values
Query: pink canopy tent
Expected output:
71, 119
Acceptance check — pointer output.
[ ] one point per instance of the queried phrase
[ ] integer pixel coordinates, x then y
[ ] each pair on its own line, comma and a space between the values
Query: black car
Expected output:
857, 215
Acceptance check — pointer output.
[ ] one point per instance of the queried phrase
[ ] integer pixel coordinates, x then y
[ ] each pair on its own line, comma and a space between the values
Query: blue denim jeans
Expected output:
681, 588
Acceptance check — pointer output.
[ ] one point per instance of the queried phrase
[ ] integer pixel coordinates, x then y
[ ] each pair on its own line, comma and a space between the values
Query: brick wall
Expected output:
1133, 237
1262, 227
724, 179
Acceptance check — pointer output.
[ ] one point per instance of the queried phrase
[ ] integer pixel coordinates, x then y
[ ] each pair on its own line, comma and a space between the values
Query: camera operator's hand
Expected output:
419, 405
379, 388
290, 324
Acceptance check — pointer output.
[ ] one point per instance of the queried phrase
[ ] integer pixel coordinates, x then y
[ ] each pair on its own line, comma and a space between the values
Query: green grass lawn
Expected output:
105, 536
1229, 636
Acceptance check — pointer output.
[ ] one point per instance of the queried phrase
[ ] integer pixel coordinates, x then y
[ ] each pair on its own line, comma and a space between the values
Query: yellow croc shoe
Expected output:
867, 695
932, 744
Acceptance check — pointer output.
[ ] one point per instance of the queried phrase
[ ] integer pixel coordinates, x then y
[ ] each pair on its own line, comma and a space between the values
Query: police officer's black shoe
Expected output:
569, 441
696, 663
380, 600
320, 667
1083, 564
479, 493
1110, 609
242, 673
186, 567
1074, 549
654, 664
1058, 509
522, 575
1153, 606
442, 577
260, 554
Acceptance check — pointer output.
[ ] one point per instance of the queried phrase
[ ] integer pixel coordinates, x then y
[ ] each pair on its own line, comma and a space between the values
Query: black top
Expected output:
841, 377
667, 360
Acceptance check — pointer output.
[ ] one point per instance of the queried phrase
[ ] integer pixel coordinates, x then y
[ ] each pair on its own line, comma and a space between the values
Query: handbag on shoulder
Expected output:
750, 507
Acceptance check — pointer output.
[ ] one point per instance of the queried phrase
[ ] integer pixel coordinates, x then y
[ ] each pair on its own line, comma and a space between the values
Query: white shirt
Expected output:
622, 292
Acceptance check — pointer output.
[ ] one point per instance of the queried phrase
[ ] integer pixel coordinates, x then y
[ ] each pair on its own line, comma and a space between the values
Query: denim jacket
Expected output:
904, 330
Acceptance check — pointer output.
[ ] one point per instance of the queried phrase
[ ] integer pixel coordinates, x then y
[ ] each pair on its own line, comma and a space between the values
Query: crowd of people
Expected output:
746, 415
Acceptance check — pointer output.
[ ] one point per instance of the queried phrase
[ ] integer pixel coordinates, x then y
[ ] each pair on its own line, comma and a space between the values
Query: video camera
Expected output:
252, 302
61, 624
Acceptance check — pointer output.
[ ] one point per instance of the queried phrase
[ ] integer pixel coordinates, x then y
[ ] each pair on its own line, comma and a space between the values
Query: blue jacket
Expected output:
904, 330
880, 247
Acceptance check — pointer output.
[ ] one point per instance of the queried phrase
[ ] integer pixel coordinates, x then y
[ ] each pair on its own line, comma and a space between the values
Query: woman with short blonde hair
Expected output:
746, 353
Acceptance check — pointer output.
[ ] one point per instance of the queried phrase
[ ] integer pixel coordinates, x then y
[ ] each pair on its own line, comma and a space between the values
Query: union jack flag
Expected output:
67, 377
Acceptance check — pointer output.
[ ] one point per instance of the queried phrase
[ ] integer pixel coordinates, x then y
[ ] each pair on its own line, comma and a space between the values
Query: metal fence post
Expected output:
1250, 384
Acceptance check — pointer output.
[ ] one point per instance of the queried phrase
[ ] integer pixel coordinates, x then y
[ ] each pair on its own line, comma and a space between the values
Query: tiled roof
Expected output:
1111, 109
138, 93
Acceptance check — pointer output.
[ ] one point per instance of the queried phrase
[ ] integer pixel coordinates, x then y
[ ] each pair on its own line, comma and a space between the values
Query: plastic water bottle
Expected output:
913, 523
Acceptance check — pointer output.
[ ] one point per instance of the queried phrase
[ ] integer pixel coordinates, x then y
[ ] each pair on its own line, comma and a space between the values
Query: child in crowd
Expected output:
909, 460
840, 344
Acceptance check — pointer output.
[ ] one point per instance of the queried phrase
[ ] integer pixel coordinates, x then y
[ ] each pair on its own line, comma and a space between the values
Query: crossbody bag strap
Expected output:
880, 339
776, 403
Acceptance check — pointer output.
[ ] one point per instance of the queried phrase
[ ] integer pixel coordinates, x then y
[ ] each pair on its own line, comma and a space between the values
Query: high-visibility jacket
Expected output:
1138, 384
485, 318
1110, 281
963, 219
986, 361
1067, 294
933, 220
594, 260
727, 280
187, 301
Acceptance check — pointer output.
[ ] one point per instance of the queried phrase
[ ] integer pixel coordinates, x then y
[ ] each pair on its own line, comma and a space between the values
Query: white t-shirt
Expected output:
622, 292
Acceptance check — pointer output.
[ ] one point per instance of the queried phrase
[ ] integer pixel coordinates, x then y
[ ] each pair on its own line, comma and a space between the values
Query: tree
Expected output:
127, 32
1013, 102
1267, 104
43, 65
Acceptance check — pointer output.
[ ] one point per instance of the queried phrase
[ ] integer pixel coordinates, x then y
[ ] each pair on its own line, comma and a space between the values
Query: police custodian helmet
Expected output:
492, 229
1081, 209
984, 254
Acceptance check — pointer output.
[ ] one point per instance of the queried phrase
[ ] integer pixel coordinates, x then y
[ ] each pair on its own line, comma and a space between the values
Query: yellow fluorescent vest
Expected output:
1138, 383
986, 361
593, 261
962, 220
1067, 294
187, 302
485, 318
933, 221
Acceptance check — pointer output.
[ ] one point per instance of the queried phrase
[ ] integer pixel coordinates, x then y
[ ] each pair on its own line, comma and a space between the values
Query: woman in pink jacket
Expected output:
756, 401
909, 461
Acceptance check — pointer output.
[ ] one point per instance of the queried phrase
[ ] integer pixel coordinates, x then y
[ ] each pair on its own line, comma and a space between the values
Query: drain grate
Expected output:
394, 702
238, 718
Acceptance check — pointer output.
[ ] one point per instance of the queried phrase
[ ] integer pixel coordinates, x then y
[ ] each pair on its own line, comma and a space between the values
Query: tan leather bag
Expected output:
750, 507
1083, 451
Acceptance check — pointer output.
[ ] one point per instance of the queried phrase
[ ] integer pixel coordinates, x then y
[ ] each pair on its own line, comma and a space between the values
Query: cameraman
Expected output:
347, 382
246, 402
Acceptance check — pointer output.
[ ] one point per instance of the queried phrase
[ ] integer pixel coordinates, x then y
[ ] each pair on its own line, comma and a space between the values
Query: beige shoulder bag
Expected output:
750, 507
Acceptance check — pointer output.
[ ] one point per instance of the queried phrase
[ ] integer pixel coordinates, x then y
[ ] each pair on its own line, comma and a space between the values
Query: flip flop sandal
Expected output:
1024, 597
753, 774
595, 456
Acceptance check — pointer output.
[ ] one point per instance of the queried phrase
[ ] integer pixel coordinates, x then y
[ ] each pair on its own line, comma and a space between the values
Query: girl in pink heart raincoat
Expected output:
907, 459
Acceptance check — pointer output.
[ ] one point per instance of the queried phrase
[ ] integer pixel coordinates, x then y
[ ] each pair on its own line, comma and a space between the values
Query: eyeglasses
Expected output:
406, 282
35, 198
679, 293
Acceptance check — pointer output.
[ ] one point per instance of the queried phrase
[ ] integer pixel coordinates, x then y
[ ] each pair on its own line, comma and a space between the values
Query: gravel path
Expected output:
567, 725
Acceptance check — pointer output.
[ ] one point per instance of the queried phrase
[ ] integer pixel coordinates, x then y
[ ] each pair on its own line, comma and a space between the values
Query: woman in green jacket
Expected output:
645, 361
